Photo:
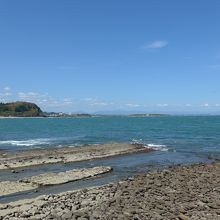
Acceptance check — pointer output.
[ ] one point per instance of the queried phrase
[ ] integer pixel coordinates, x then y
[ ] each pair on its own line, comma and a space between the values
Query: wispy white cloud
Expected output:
205, 105
44, 100
5, 94
162, 105
101, 103
210, 105
132, 105
156, 45
29, 95
7, 88
67, 101
88, 99
188, 105
95, 102
91, 104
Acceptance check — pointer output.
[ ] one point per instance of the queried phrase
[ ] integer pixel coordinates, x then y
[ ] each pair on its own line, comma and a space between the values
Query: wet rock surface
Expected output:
10, 187
22, 159
47, 179
182, 192
68, 176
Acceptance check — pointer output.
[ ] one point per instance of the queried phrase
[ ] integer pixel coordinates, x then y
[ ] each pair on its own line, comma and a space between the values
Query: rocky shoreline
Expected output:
181, 192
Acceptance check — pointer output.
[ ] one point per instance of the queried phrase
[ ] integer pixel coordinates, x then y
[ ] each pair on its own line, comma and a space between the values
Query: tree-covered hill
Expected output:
20, 109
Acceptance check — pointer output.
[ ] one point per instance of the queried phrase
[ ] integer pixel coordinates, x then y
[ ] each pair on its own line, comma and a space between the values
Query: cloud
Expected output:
44, 100
5, 94
101, 103
67, 101
210, 105
156, 45
132, 105
162, 105
29, 95
88, 99
7, 88
95, 102
91, 104
205, 105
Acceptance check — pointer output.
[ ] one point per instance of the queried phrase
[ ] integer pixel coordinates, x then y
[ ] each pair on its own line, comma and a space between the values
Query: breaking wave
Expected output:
158, 147
27, 143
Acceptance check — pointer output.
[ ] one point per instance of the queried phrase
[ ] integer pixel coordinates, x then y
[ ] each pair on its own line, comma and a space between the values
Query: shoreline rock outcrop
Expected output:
67, 154
48, 179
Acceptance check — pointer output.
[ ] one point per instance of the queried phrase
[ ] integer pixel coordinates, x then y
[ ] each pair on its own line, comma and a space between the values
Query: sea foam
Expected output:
31, 142
158, 147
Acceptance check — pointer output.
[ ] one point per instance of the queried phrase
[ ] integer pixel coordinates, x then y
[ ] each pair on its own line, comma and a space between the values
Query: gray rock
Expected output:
67, 215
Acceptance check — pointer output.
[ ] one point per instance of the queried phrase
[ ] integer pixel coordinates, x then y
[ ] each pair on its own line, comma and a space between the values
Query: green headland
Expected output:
20, 109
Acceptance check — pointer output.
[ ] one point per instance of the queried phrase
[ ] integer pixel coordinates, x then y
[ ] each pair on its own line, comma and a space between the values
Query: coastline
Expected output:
181, 192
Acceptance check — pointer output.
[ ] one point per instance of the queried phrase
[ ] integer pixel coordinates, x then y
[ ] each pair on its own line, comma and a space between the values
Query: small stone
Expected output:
183, 217
67, 215
25, 214
136, 217
14, 171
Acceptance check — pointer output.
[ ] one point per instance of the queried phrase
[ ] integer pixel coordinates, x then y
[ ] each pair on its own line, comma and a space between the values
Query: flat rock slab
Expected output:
11, 187
68, 176
66, 154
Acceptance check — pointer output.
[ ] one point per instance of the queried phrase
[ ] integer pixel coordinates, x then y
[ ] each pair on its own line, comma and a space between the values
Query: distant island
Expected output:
20, 109
147, 115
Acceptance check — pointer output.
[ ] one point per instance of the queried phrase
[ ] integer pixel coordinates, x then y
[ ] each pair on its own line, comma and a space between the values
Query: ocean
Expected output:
192, 135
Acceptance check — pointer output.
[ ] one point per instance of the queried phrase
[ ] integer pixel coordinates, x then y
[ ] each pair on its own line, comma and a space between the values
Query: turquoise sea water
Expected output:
196, 135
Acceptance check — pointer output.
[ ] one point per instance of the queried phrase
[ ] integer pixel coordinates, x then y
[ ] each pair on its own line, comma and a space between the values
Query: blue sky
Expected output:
118, 55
